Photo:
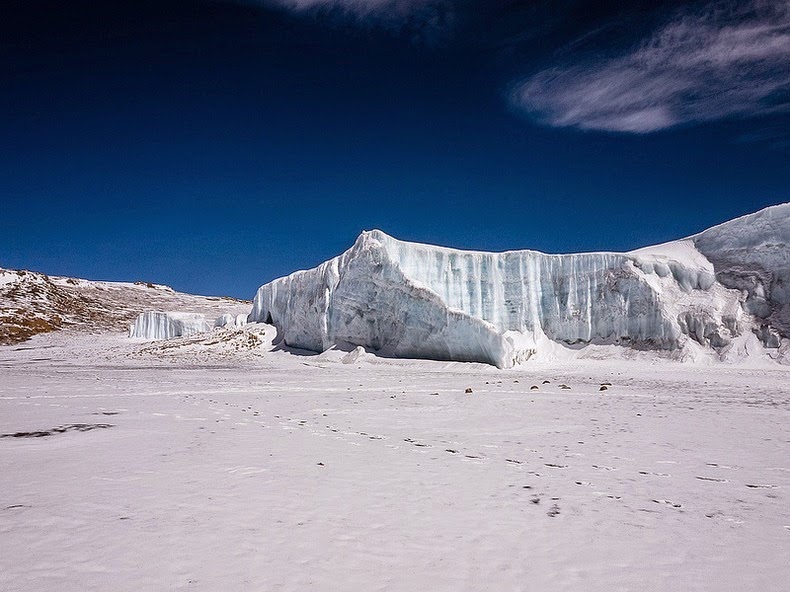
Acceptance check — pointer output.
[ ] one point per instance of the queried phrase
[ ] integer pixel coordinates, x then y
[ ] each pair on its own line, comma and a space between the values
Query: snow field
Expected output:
278, 471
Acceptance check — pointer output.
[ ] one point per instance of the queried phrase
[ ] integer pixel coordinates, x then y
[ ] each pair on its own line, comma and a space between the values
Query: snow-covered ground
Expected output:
212, 463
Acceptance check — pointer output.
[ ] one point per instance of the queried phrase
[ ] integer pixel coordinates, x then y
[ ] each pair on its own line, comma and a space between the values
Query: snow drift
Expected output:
714, 290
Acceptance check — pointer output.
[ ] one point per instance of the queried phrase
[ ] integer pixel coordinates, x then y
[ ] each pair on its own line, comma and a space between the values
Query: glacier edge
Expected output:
414, 300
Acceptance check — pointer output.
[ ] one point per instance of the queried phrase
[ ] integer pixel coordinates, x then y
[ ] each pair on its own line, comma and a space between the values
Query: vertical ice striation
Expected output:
229, 321
412, 300
571, 298
164, 325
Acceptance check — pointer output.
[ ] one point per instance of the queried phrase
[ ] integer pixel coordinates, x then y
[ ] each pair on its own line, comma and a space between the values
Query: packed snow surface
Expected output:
722, 293
211, 462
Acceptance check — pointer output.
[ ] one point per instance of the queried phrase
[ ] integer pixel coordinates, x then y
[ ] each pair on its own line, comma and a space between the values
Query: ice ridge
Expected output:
415, 300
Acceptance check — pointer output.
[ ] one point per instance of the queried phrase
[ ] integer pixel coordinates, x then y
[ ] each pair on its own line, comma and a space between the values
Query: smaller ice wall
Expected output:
228, 321
164, 325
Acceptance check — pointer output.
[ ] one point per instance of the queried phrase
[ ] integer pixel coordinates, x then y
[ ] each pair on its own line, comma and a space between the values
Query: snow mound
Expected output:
421, 301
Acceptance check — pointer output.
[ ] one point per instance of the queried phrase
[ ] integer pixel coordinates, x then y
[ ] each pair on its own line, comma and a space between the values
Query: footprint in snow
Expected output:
721, 516
667, 502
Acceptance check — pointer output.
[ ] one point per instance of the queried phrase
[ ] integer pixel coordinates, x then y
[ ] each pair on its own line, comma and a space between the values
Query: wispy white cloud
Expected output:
359, 6
731, 59
421, 14
424, 21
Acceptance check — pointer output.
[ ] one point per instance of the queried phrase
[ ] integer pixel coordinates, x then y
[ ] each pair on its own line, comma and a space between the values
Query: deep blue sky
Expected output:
214, 146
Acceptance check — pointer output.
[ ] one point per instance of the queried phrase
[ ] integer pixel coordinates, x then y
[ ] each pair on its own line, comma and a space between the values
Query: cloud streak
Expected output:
424, 21
425, 14
729, 60
364, 7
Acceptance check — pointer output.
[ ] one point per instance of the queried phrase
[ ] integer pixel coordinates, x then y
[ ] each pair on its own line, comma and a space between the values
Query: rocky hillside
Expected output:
32, 303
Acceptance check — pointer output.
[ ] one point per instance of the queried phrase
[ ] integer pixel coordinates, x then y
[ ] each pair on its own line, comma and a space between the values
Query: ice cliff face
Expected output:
413, 300
164, 325
752, 255
154, 325
229, 321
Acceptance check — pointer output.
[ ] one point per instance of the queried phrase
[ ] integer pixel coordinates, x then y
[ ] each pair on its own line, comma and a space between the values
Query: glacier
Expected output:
719, 290
153, 325
229, 321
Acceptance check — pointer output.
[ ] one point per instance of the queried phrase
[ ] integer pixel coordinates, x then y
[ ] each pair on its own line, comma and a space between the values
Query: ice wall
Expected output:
414, 300
752, 254
229, 321
164, 325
